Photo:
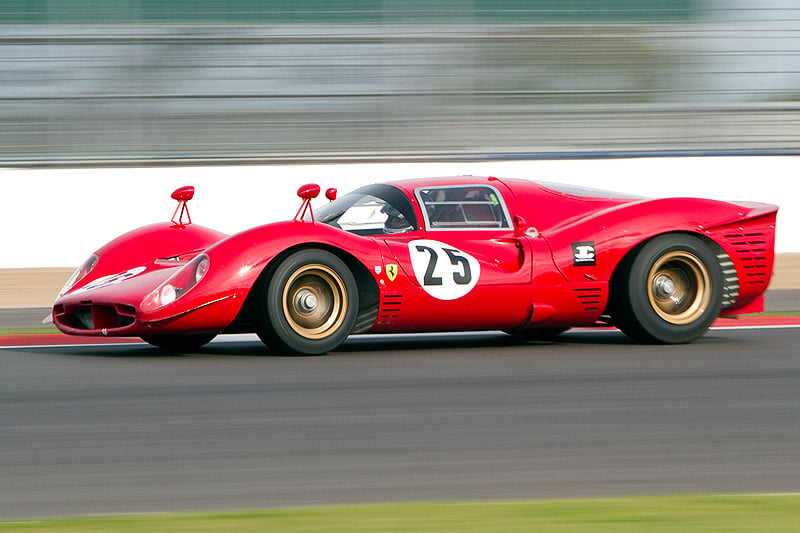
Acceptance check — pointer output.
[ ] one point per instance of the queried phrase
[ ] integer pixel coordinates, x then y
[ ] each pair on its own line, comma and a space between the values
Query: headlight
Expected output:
79, 274
177, 284
201, 269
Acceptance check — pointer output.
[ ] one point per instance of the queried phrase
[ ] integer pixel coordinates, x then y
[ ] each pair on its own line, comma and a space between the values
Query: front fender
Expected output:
236, 263
144, 246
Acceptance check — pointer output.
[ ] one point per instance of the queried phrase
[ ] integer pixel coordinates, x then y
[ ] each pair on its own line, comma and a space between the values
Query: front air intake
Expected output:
95, 316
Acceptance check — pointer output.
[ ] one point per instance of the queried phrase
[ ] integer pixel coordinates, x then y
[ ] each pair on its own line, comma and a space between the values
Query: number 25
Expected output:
462, 277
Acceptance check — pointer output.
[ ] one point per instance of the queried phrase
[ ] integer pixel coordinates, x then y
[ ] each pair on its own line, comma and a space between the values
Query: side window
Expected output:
463, 207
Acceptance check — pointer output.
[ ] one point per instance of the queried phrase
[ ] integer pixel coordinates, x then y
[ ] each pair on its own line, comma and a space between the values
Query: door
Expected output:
468, 269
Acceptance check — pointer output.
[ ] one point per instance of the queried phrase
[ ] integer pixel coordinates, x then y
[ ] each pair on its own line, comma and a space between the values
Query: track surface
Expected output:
107, 429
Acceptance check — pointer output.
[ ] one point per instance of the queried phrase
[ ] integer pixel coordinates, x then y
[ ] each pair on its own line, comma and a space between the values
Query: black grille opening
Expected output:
91, 317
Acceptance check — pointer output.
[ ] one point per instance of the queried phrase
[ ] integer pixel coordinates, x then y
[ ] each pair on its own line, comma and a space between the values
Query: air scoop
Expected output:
182, 195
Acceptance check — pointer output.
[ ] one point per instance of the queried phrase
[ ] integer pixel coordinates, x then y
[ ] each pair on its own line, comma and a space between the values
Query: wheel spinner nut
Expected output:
663, 286
306, 301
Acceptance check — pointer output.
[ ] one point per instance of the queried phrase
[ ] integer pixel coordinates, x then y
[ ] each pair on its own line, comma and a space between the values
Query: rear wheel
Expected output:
670, 292
308, 305
179, 343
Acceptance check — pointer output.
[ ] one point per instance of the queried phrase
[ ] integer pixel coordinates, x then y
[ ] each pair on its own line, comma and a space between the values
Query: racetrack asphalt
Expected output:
127, 428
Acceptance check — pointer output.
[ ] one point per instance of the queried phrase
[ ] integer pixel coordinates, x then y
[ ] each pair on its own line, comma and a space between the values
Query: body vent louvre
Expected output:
391, 305
751, 248
590, 297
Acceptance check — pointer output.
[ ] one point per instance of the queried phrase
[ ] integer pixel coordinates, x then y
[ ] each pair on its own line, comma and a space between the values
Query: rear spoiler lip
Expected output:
757, 209
750, 211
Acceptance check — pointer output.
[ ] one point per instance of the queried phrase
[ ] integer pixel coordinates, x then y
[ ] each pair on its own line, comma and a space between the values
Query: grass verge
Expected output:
665, 514
28, 331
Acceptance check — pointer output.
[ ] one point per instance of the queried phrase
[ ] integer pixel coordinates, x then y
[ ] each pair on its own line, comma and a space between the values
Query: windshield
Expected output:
372, 210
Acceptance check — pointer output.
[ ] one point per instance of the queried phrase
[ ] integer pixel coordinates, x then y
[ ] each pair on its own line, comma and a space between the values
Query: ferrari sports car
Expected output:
447, 254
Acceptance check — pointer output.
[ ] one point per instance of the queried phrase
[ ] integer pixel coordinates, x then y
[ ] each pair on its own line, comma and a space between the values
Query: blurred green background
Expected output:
147, 81
342, 11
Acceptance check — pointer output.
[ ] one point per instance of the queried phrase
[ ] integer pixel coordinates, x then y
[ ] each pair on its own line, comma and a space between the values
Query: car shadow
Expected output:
358, 344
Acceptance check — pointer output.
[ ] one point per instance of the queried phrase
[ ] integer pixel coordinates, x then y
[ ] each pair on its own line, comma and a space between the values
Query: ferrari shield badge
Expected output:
391, 272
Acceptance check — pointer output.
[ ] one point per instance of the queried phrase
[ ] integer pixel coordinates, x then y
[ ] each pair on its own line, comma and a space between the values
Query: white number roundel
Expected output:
113, 279
444, 271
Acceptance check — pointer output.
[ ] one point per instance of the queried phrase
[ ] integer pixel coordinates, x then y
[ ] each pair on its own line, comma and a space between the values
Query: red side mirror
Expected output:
183, 194
330, 194
308, 191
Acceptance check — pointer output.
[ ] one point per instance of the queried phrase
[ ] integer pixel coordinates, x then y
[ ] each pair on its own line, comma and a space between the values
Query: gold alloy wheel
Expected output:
679, 287
315, 301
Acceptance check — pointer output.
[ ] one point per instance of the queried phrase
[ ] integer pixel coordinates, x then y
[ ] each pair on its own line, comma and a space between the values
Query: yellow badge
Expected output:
391, 272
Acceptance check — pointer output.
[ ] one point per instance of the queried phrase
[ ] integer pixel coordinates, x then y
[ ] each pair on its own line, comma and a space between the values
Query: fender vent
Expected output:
390, 309
730, 280
751, 248
591, 298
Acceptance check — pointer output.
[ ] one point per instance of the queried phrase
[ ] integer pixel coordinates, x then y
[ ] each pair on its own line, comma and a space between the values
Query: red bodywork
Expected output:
551, 267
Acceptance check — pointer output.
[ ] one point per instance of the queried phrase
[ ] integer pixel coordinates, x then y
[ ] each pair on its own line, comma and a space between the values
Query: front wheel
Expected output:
670, 292
308, 305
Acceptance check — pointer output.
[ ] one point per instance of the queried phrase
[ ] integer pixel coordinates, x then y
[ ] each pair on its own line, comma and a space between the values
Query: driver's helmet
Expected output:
395, 221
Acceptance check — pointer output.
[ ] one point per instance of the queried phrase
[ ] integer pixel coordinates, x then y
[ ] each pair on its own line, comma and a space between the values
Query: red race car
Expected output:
451, 254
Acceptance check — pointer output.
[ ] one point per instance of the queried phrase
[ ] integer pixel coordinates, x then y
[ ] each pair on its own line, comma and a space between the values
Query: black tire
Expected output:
308, 305
536, 334
179, 343
670, 292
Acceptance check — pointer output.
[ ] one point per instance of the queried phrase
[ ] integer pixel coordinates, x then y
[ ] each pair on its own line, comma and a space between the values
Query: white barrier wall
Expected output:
58, 217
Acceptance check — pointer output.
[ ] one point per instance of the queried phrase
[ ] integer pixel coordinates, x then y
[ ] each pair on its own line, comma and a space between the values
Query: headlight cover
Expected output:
80, 273
177, 284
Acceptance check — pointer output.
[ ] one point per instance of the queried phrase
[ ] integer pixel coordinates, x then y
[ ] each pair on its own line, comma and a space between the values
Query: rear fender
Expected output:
611, 234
